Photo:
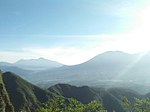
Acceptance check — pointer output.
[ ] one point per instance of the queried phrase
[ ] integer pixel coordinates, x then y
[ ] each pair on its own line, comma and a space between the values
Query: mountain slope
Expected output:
24, 95
23, 66
104, 66
111, 98
83, 94
37, 64
5, 104
19, 71
110, 66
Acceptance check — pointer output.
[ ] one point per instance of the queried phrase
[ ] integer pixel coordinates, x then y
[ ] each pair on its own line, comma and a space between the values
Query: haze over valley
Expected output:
74, 56
109, 69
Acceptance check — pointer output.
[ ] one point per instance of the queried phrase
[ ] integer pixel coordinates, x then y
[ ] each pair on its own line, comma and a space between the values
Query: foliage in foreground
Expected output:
139, 105
70, 105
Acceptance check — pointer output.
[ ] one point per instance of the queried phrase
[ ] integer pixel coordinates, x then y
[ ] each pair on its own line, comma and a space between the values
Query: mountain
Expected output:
19, 71
37, 64
32, 64
111, 98
25, 68
5, 104
109, 69
106, 66
24, 95
112, 68
83, 94
5, 64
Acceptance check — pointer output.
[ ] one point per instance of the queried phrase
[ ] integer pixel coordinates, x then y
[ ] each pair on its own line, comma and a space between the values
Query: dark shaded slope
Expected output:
5, 104
121, 92
83, 94
24, 95
111, 99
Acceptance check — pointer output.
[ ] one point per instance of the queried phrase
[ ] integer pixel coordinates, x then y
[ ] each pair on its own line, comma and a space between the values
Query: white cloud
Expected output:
13, 56
67, 56
90, 46
132, 42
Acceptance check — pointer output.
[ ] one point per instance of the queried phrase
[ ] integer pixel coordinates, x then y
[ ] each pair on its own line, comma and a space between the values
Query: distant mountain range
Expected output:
37, 64
109, 76
25, 68
112, 66
109, 69
33, 64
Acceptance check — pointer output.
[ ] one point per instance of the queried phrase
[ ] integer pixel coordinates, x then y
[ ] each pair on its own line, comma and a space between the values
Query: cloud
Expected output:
68, 49
72, 50
13, 56
64, 55
75, 54
78, 49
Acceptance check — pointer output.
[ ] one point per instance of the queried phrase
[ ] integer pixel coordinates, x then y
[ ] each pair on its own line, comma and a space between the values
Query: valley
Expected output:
74, 56
93, 80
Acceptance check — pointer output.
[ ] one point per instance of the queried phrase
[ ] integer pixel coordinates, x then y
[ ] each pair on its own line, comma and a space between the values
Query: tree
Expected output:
70, 105
139, 105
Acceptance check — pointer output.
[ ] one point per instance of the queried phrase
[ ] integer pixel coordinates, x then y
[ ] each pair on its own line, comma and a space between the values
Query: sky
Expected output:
72, 31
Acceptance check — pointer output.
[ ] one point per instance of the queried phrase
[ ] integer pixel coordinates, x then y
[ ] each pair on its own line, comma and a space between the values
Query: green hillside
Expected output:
83, 94
24, 95
71, 105
5, 105
111, 99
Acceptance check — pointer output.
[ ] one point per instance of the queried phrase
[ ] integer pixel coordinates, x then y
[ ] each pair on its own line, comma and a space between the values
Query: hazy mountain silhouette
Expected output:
33, 64
113, 65
37, 64
111, 69
19, 71
25, 68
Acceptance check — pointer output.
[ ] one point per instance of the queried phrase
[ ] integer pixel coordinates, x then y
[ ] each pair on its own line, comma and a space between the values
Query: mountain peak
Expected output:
34, 64
41, 58
25, 60
115, 52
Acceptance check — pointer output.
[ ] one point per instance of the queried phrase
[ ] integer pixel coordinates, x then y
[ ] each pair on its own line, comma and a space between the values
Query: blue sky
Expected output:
66, 17
72, 26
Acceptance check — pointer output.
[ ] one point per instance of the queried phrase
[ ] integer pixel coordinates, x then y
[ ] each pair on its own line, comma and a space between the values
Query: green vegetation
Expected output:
5, 104
83, 94
111, 99
24, 95
70, 105
139, 105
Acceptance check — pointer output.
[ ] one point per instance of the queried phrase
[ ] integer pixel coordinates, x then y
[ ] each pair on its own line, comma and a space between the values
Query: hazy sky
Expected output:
72, 31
